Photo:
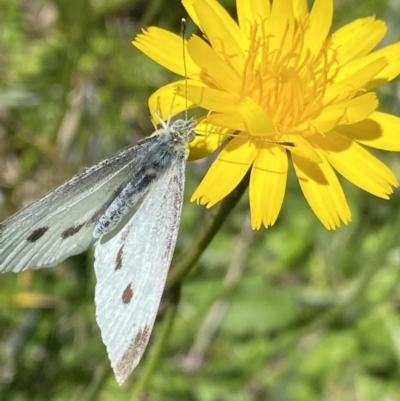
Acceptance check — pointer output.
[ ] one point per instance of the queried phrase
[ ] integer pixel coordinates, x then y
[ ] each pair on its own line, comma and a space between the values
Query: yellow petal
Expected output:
208, 139
267, 185
300, 9
379, 130
323, 191
226, 172
213, 10
304, 149
390, 53
221, 30
348, 112
346, 88
213, 68
329, 118
207, 98
255, 119
188, 4
319, 24
166, 103
281, 27
250, 12
356, 164
360, 107
152, 40
232, 121
357, 39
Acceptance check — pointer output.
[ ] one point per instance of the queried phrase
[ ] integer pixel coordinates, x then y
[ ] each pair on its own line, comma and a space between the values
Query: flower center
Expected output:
286, 80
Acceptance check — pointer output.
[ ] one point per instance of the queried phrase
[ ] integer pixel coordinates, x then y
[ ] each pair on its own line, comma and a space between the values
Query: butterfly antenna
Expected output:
183, 33
167, 123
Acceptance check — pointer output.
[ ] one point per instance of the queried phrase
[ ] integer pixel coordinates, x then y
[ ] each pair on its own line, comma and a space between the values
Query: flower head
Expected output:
276, 77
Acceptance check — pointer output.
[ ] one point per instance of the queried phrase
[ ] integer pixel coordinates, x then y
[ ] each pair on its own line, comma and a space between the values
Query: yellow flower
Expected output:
274, 76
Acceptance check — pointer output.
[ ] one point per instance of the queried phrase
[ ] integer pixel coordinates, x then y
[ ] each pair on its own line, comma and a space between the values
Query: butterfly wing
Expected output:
61, 223
131, 270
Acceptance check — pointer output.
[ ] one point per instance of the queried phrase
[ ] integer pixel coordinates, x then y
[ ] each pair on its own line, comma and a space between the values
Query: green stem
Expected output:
92, 393
179, 272
158, 346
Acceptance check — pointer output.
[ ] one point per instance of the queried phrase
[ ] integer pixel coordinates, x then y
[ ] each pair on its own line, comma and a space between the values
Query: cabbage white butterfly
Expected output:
129, 207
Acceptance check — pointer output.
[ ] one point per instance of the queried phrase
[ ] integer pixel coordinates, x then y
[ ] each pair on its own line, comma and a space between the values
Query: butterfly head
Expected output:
183, 130
179, 133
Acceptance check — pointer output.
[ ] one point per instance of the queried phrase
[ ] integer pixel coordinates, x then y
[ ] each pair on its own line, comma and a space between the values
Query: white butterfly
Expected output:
129, 207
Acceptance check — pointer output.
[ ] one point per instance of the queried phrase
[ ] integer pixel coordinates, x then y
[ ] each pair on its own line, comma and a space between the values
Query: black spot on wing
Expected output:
69, 232
36, 234
127, 294
118, 260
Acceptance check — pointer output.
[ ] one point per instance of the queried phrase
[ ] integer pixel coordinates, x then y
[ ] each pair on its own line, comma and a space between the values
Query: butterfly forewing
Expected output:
131, 269
61, 223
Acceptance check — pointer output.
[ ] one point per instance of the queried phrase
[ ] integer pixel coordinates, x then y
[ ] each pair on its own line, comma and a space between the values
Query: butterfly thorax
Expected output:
167, 146
177, 136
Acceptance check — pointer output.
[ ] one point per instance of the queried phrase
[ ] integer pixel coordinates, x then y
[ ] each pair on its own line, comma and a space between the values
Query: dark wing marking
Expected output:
37, 234
134, 352
127, 294
69, 232
119, 259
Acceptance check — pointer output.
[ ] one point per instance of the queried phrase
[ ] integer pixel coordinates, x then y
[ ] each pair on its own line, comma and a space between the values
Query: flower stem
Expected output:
179, 272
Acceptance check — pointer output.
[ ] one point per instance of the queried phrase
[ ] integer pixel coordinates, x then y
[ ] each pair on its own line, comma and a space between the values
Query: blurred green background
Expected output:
294, 312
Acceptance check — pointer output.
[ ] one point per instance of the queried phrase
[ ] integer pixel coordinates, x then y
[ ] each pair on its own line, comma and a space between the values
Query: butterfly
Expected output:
128, 206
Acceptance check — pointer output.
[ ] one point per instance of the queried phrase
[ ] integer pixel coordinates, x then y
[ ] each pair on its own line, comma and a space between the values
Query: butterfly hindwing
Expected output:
131, 268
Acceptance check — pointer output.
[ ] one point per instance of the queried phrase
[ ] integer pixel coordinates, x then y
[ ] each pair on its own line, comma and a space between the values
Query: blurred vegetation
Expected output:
290, 313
